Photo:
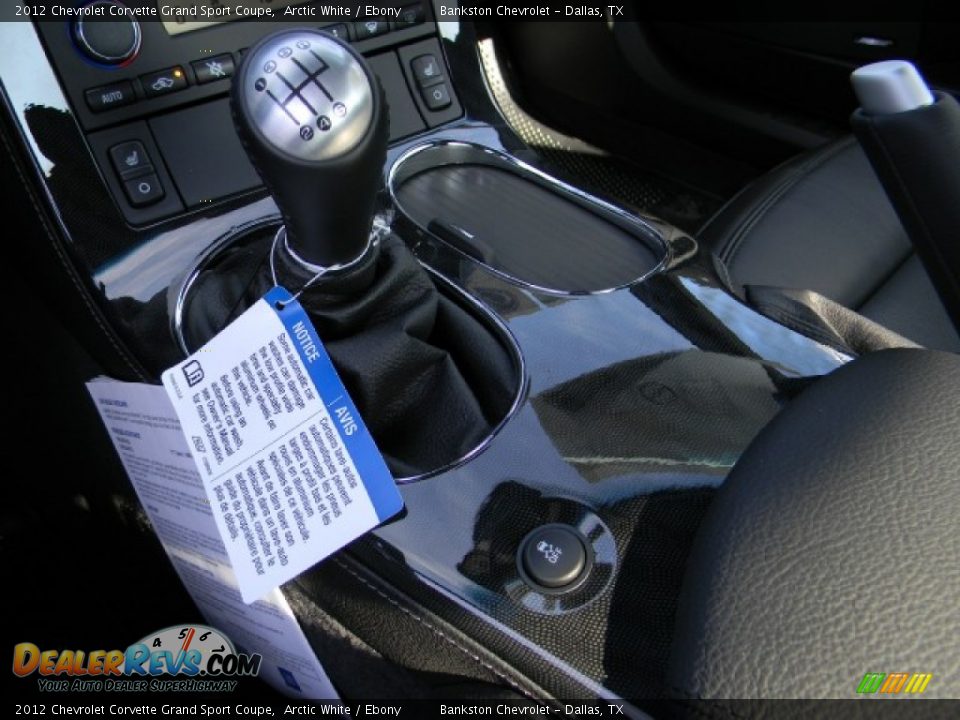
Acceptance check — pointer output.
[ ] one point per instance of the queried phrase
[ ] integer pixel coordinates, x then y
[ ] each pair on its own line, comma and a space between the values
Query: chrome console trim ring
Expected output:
413, 161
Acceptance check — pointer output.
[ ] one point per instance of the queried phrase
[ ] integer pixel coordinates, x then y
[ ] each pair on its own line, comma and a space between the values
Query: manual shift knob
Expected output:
313, 119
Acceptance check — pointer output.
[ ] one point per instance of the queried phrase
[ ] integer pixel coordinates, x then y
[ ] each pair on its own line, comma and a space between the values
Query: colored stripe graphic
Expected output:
871, 683
894, 683
918, 682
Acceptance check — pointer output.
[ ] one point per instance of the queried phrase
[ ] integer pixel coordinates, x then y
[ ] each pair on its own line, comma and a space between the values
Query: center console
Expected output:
638, 378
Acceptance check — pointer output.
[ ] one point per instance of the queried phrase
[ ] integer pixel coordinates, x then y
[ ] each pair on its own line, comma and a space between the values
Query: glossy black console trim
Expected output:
639, 400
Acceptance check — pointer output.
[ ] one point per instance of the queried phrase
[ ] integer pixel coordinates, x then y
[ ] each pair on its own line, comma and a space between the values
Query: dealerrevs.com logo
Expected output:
180, 658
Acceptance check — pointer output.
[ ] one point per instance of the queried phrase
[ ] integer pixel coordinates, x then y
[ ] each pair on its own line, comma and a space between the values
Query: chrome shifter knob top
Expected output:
308, 95
313, 119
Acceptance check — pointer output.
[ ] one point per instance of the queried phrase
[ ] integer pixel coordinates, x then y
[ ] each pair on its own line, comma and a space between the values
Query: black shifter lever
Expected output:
314, 121
432, 380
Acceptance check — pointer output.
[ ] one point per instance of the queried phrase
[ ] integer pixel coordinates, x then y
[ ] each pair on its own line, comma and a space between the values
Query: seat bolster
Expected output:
822, 222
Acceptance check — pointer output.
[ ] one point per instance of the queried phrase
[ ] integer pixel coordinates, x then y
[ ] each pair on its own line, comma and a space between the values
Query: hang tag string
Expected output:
381, 227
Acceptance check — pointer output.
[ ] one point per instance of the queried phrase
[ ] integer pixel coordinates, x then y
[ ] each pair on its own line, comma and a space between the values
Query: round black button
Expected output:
554, 556
105, 41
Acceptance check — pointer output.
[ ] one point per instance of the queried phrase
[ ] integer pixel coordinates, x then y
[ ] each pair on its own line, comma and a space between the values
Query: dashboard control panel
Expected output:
157, 95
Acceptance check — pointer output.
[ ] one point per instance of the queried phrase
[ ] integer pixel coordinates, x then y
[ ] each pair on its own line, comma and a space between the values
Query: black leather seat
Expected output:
831, 551
822, 222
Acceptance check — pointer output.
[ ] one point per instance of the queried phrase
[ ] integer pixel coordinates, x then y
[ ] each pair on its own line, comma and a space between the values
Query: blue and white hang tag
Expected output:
289, 467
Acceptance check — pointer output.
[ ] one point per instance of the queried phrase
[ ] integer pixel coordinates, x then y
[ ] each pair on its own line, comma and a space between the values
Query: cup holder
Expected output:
521, 223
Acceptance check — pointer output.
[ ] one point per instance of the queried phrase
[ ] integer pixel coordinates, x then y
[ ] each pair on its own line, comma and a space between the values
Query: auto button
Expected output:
110, 96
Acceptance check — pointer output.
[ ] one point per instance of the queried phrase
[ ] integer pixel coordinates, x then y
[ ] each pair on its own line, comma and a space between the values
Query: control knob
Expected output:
107, 42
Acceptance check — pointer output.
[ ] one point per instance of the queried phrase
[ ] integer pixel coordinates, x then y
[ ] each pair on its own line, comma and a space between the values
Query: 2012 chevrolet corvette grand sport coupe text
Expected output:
418, 360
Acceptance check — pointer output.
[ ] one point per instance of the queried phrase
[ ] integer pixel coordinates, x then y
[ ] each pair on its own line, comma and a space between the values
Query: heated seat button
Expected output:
130, 159
437, 97
144, 190
110, 96
554, 557
426, 70
162, 82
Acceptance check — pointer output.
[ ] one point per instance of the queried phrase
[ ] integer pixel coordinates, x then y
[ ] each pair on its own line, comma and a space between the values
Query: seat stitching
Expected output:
734, 244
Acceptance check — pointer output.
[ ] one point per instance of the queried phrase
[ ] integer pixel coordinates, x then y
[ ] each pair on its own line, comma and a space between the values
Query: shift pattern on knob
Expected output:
308, 95
314, 120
